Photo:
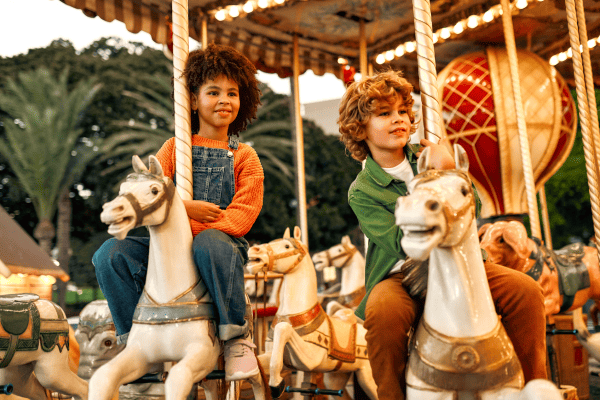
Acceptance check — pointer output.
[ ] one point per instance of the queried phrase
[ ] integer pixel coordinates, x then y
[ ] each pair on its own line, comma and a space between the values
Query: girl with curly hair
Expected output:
228, 196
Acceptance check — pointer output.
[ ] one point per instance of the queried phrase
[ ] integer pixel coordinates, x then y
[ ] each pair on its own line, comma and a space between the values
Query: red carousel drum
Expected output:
479, 114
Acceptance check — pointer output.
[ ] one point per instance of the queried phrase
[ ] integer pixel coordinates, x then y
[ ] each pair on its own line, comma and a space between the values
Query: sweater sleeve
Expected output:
166, 157
237, 219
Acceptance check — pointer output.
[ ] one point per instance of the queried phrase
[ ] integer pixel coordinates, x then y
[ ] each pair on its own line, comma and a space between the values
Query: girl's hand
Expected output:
202, 211
439, 155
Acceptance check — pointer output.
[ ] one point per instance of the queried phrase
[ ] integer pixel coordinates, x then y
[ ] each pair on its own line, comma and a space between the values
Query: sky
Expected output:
27, 24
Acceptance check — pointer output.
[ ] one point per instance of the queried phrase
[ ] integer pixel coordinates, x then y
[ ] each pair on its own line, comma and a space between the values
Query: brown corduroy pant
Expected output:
391, 312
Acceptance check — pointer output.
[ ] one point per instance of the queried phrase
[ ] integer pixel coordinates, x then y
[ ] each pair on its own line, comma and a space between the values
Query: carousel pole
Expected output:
545, 218
589, 147
511, 48
299, 137
363, 48
183, 137
432, 121
204, 32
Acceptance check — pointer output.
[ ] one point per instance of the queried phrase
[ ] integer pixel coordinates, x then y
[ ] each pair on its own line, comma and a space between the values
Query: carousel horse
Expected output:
460, 349
569, 277
34, 348
346, 257
174, 319
303, 336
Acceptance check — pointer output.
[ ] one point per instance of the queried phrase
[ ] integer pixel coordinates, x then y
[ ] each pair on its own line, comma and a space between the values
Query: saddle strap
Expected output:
474, 363
10, 352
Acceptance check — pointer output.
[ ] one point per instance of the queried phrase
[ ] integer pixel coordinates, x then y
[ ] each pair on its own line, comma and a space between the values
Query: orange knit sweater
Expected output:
247, 202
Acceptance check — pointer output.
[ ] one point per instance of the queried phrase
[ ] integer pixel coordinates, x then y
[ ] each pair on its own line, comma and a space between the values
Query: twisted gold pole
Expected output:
183, 138
584, 116
432, 121
511, 49
545, 218
588, 77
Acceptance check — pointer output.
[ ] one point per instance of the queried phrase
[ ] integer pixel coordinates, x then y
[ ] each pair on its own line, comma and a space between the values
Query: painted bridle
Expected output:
166, 195
348, 252
298, 249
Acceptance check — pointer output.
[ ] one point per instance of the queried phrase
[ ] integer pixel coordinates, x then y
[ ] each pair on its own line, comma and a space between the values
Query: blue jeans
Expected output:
121, 267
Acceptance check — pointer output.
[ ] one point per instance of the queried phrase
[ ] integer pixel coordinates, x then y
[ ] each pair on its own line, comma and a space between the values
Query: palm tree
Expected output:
42, 145
143, 138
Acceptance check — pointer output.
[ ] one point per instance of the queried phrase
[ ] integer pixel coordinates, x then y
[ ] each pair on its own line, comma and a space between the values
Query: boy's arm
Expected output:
377, 223
237, 219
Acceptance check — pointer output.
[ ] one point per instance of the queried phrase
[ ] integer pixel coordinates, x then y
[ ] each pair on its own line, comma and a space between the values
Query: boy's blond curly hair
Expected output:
362, 99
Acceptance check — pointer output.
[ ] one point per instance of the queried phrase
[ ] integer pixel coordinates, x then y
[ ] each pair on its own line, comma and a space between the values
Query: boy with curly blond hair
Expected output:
376, 121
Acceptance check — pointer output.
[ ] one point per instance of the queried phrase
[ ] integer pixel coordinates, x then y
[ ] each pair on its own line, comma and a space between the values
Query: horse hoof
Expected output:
277, 391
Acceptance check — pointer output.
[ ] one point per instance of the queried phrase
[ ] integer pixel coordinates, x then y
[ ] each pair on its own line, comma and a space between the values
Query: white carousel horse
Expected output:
461, 349
174, 318
34, 338
346, 257
304, 337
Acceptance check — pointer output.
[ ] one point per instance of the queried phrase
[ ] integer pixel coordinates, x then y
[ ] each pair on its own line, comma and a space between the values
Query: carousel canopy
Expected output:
329, 30
21, 254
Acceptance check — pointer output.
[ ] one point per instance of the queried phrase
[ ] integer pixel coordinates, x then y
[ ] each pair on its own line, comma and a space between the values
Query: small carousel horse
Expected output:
461, 349
304, 337
174, 319
34, 338
346, 257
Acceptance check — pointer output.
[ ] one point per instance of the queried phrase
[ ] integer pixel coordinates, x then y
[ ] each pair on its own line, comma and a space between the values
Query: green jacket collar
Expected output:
379, 175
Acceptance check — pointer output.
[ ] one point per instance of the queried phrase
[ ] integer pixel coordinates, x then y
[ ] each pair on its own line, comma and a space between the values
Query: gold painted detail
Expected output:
473, 363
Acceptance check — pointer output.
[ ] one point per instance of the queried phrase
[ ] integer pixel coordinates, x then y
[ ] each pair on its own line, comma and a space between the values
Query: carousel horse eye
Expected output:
464, 191
501, 240
154, 191
108, 343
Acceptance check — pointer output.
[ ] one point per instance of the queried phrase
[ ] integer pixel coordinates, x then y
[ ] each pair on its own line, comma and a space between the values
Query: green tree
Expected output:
41, 145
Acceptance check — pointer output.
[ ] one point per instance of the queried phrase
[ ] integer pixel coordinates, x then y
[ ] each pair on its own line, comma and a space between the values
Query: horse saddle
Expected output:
573, 275
22, 329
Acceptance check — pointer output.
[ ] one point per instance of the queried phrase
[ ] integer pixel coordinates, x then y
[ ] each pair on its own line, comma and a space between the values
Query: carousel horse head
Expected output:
97, 338
338, 256
279, 255
439, 209
142, 194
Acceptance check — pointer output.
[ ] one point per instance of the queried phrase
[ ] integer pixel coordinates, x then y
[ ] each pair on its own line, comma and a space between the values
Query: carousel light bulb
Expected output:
458, 28
220, 15
234, 12
598, 39
380, 59
445, 33
562, 56
436, 37
569, 53
342, 61
279, 1
410, 47
521, 4
488, 16
263, 3
553, 60
473, 21
248, 7
389, 55
399, 51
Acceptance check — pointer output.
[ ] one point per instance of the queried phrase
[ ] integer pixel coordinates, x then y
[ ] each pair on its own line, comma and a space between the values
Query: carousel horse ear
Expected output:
138, 164
155, 167
297, 233
483, 230
461, 159
515, 235
423, 161
346, 240
286, 234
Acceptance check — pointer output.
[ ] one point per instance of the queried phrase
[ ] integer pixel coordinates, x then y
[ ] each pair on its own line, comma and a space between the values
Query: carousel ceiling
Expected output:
329, 30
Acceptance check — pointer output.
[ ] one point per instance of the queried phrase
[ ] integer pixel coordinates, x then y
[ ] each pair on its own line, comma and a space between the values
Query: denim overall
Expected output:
121, 265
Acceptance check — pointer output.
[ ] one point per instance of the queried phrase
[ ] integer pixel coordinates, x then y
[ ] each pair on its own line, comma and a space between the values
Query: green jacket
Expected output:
372, 196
